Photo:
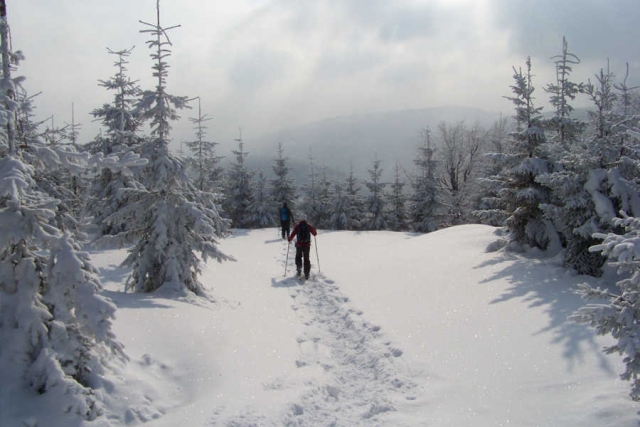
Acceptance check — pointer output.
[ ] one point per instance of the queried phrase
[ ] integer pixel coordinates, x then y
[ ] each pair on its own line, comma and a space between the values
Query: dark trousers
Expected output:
286, 225
303, 251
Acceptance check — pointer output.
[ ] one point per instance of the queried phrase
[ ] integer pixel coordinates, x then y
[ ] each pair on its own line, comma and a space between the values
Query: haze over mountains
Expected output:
339, 141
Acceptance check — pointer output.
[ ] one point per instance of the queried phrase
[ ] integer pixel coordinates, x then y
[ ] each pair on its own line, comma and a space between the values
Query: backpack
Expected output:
304, 233
284, 215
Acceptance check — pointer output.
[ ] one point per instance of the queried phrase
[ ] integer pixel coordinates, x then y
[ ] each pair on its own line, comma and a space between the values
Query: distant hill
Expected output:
337, 142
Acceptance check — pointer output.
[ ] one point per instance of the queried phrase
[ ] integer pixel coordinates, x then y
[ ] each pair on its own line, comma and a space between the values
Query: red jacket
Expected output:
294, 233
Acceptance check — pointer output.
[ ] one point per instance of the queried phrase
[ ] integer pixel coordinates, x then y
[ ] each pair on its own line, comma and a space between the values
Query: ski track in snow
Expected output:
365, 374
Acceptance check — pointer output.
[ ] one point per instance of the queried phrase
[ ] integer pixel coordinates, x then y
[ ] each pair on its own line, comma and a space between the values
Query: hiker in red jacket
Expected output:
303, 231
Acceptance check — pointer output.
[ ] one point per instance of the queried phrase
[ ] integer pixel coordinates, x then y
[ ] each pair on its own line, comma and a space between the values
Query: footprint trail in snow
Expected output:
364, 376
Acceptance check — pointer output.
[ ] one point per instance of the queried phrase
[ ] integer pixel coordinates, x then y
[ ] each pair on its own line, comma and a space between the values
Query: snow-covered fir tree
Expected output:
346, 206
521, 192
580, 186
325, 200
423, 202
340, 208
121, 123
619, 315
491, 208
54, 172
356, 202
397, 202
55, 327
310, 203
170, 220
239, 192
283, 189
260, 213
564, 128
375, 214
204, 164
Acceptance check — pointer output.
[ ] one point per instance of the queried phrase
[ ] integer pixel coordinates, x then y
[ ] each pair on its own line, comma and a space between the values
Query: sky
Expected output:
265, 65
412, 330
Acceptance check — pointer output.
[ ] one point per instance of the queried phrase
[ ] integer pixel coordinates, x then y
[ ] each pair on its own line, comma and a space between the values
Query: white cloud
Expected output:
262, 65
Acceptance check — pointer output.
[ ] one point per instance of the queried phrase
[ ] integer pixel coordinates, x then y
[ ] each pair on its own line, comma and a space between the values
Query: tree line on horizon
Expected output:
553, 183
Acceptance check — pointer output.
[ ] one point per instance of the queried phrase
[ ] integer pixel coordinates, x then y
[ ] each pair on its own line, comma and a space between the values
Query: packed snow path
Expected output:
366, 375
367, 372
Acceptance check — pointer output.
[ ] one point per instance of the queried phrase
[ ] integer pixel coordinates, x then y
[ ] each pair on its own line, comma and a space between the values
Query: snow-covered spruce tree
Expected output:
620, 315
239, 193
397, 202
565, 129
260, 213
346, 206
54, 172
339, 219
375, 214
283, 188
310, 204
170, 218
522, 194
205, 164
325, 200
121, 123
356, 202
423, 202
579, 207
55, 328
491, 208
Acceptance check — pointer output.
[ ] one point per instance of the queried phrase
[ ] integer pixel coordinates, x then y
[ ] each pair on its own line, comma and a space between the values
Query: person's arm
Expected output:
293, 232
313, 230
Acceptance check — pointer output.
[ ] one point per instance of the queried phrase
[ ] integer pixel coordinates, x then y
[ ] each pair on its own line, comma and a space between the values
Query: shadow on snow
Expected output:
533, 282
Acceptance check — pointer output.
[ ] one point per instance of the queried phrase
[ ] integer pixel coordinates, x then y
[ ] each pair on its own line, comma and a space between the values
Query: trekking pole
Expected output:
317, 257
286, 263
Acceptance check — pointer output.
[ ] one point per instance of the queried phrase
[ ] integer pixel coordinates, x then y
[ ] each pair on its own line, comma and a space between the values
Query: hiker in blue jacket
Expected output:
285, 219
303, 231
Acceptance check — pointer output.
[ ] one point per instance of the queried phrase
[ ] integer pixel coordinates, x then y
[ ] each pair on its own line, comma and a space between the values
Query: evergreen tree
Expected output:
282, 186
55, 328
398, 217
589, 189
170, 218
580, 182
340, 209
375, 215
355, 201
311, 199
423, 203
491, 208
260, 212
239, 194
619, 316
206, 165
325, 201
121, 124
562, 93
346, 205
521, 192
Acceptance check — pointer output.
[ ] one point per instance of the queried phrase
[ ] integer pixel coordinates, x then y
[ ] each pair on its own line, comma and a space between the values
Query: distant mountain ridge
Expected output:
339, 141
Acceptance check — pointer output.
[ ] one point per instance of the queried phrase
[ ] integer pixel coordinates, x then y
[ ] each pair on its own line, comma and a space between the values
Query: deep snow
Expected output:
394, 329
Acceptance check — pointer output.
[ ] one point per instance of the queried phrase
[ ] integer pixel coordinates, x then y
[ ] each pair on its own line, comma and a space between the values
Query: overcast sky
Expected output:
264, 65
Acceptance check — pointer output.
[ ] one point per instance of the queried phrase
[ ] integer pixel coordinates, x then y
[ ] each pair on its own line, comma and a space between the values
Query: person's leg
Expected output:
282, 226
307, 262
298, 259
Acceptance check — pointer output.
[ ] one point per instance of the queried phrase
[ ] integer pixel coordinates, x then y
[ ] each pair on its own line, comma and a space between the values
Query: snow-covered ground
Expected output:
393, 329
